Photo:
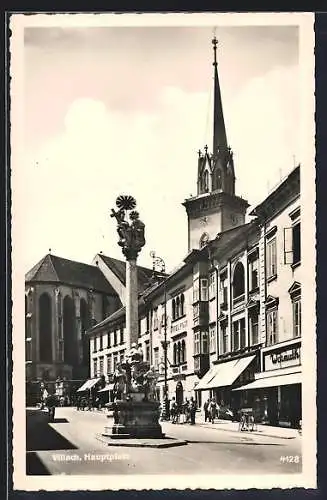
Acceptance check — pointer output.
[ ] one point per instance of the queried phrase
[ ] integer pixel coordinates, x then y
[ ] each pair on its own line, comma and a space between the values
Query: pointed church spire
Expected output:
219, 131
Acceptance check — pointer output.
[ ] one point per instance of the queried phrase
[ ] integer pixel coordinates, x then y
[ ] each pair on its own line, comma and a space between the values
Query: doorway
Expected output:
179, 393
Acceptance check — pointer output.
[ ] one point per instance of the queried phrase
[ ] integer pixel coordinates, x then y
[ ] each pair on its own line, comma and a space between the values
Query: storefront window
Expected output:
95, 367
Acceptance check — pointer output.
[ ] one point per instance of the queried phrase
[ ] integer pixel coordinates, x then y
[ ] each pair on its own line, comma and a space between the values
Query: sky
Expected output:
113, 110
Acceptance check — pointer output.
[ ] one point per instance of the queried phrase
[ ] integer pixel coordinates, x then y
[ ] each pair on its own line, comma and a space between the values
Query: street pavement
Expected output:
70, 446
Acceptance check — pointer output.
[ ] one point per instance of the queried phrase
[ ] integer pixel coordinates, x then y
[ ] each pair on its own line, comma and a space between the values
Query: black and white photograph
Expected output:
163, 251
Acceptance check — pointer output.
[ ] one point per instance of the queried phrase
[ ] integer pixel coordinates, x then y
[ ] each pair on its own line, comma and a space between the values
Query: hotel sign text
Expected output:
179, 327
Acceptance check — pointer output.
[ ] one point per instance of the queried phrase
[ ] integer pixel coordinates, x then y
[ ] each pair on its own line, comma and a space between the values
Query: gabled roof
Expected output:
118, 267
53, 269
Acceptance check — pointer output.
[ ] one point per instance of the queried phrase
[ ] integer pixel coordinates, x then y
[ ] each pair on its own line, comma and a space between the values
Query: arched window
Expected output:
173, 305
69, 324
179, 353
238, 280
177, 308
45, 328
175, 354
183, 352
85, 325
182, 304
206, 181
217, 181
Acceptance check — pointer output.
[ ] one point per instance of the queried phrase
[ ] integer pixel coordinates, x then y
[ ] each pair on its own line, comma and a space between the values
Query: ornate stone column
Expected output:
136, 410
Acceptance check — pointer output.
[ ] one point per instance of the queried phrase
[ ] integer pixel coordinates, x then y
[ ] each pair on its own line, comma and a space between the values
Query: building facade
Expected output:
63, 299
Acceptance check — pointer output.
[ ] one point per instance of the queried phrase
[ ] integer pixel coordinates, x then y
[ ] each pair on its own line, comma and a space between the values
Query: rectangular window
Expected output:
242, 334
156, 358
223, 297
212, 338
109, 363
212, 286
101, 366
272, 327
254, 328
271, 258
297, 318
236, 336
224, 337
196, 311
196, 364
109, 339
155, 319
94, 344
115, 361
204, 343
292, 244
196, 292
115, 337
147, 321
122, 335
296, 229
121, 356
253, 274
101, 342
204, 290
95, 368
147, 351
197, 343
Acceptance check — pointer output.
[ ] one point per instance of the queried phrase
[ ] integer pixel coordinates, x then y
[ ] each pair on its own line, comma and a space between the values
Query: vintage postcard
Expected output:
163, 240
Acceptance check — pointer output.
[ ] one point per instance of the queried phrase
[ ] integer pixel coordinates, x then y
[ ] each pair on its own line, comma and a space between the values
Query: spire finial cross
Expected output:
215, 43
206, 148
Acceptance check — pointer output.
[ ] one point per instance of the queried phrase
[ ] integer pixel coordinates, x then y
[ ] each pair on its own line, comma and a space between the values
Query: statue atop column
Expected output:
131, 234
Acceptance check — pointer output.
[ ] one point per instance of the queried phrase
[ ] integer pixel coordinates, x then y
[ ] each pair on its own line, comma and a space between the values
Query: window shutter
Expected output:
288, 245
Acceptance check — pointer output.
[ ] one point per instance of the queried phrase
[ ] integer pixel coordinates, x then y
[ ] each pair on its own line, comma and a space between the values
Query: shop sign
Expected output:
283, 359
179, 376
179, 327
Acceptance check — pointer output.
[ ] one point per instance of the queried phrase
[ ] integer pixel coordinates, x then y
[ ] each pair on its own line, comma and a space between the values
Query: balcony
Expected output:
238, 301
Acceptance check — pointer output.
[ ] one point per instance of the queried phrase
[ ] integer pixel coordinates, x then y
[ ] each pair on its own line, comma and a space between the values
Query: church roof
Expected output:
117, 317
53, 269
118, 267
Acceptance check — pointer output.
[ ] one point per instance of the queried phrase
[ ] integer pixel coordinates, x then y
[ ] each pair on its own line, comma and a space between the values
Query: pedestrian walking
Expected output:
206, 410
186, 411
213, 410
192, 410
173, 410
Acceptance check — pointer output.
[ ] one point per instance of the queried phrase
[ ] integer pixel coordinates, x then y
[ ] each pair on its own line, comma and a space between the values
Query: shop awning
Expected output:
108, 387
275, 381
88, 384
224, 374
206, 379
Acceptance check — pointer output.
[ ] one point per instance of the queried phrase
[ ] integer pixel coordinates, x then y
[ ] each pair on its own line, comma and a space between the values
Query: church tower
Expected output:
216, 208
